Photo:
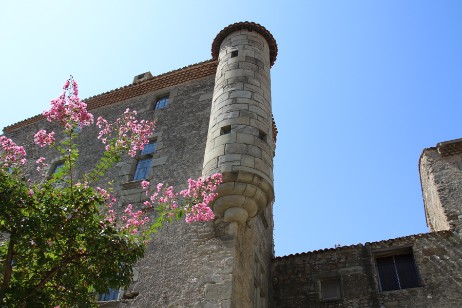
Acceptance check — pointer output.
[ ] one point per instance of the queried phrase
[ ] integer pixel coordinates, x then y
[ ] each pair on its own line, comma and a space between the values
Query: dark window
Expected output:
144, 161
262, 135
330, 289
225, 130
58, 166
111, 295
161, 102
234, 53
397, 272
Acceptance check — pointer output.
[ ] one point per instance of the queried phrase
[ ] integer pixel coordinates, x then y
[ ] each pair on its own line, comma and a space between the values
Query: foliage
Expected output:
65, 241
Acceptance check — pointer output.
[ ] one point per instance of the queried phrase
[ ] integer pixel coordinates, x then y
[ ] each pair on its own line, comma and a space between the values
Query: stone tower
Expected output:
441, 176
240, 145
240, 141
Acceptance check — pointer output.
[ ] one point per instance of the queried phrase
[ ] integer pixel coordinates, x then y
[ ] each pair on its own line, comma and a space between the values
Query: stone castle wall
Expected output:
441, 178
298, 279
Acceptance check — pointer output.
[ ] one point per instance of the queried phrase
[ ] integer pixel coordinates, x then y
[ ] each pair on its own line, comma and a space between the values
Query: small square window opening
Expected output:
330, 289
262, 135
225, 130
234, 53
161, 102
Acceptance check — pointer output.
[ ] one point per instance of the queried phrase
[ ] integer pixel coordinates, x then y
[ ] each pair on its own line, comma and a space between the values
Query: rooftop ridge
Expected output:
168, 79
413, 236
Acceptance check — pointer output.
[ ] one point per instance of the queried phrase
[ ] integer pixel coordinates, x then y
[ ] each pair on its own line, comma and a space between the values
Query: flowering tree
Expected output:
65, 242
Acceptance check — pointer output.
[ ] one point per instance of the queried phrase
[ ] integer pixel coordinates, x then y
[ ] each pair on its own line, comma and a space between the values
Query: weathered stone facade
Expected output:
219, 119
298, 279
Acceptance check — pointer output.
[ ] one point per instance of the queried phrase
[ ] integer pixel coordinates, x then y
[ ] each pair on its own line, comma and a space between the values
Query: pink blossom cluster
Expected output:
133, 220
68, 110
42, 139
10, 153
111, 216
41, 165
200, 194
164, 197
196, 198
126, 133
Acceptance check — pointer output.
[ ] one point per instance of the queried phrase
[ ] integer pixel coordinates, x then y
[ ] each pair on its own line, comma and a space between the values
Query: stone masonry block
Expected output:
248, 161
254, 89
248, 115
227, 115
240, 93
239, 79
233, 86
260, 125
211, 164
215, 152
235, 73
249, 66
245, 138
254, 151
245, 129
259, 98
234, 107
229, 158
224, 139
237, 148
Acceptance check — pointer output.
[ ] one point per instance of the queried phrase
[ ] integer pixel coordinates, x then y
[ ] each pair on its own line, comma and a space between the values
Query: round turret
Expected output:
240, 142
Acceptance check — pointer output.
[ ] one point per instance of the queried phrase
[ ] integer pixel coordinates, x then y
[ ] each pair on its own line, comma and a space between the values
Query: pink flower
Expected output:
126, 133
145, 184
10, 153
42, 139
68, 110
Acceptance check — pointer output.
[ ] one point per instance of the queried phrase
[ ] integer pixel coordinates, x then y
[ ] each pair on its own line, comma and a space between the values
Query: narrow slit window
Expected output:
262, 135
225, 130
143, 164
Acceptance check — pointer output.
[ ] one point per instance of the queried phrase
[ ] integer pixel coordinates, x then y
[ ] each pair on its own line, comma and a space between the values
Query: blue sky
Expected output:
359, 89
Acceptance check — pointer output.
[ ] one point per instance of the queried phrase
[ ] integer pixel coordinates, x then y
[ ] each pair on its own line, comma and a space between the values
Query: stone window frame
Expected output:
394, 252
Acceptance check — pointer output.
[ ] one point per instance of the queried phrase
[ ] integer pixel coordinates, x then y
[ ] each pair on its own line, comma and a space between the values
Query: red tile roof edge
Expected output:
172, 78
414, 236
252, 26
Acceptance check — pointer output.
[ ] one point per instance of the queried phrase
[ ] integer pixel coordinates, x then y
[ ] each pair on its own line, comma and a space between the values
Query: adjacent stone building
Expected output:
215, 116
